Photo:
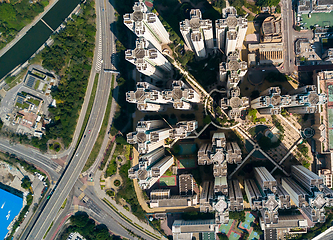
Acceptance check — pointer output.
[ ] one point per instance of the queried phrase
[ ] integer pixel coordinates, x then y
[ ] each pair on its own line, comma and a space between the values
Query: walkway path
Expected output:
248, 11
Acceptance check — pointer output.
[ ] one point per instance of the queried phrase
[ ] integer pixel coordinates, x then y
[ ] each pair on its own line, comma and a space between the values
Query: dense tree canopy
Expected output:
265, 3
71, 57
14, 15
81, 223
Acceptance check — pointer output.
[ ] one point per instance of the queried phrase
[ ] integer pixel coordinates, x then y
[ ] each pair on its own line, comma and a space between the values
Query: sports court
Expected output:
234, 236
249, 218
322, 19
254, 236
167, 181
224, 228
186, 163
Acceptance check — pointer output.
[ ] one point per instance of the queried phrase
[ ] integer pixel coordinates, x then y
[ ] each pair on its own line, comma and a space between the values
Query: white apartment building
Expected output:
148, 59
230, 30
147, 98
150, 98
197, 33
147, 25
326, 174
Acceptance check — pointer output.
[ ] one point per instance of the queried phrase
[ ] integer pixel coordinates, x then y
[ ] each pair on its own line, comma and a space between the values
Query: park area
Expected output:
322, 19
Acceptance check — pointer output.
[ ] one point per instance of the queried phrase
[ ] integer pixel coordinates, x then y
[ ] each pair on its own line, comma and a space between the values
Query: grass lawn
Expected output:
23, 105
44, 87
34, 101
167, 181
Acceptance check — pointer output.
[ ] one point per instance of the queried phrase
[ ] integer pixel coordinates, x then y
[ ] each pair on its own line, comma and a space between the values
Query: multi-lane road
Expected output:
77, 158
80, 156
287, 19
290, 36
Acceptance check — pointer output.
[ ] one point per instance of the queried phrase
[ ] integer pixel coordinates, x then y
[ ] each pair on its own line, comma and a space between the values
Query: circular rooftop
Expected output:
233, 65
220, 205
141, 136
313, 98
235, 102
232, 21
139, 53
276, 100
177, 93
142, 174
195, 23
137, 16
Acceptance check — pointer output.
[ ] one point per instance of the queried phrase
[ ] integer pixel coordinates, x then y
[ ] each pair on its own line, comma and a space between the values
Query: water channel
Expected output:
36, 36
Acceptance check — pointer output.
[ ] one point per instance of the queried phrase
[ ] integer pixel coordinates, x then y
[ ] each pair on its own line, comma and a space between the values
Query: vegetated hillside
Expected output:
15, 15
71, 57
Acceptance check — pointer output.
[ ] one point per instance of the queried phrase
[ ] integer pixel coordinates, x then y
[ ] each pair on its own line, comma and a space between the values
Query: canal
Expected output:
36, 36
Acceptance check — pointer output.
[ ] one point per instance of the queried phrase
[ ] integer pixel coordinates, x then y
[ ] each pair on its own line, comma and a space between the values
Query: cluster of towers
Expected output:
151, 98
302, 100
198, 33
150, 137
152, 35
222, 194
304, 188
231, 73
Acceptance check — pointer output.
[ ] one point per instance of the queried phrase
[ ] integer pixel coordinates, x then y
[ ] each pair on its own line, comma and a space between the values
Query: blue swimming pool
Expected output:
10, 206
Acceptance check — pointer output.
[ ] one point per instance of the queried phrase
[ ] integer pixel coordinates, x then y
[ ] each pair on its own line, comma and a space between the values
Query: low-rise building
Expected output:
194, 229
326, 175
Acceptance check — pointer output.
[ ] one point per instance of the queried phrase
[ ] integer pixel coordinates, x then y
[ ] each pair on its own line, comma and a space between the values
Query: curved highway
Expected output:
77, 159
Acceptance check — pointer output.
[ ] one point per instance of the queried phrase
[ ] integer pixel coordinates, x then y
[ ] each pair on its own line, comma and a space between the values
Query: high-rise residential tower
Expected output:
303, 100
148, 59
197, 33
146, 24
150, 98
230, 30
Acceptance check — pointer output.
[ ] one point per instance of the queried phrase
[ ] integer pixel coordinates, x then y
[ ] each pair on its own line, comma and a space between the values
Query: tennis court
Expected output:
249, 218
167, 181
186, 163
254, 236
224, 228
234, 236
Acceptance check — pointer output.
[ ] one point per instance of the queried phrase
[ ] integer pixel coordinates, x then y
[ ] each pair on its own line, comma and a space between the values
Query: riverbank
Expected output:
25, 29
36, 36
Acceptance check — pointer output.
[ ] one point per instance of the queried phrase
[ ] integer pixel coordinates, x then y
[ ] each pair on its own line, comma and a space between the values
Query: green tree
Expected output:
265, 3
222, 236
26, 183
80, 219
